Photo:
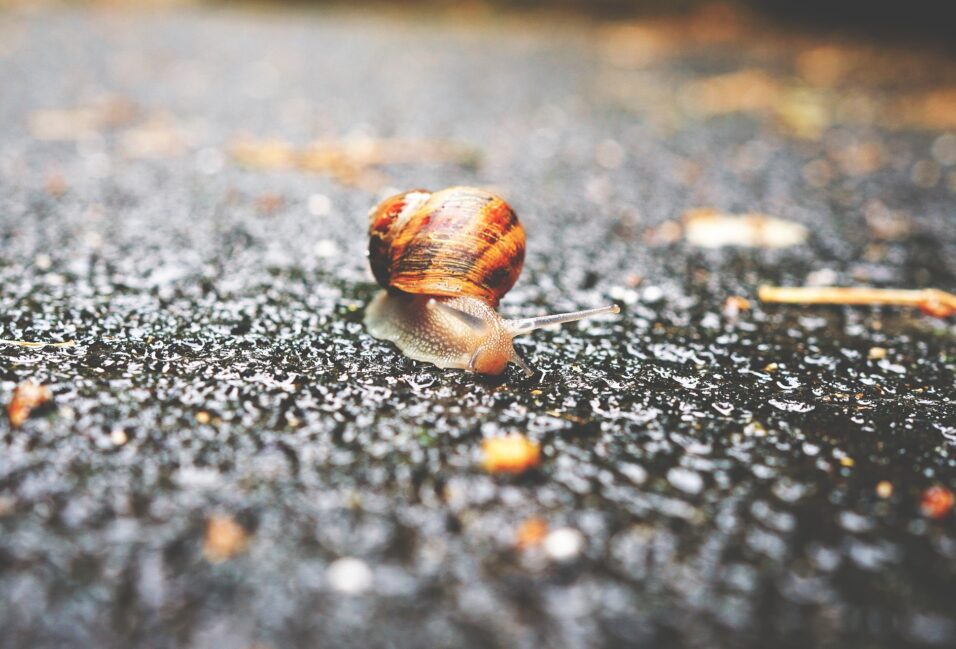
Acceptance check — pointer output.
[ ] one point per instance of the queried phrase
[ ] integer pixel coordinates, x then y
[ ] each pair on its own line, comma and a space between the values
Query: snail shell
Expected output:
457, 242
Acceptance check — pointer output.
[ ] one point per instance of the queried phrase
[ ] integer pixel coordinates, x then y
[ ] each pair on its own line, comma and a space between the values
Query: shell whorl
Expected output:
455, 242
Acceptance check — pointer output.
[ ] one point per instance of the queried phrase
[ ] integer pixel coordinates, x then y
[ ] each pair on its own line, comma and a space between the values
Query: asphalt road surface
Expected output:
228, 460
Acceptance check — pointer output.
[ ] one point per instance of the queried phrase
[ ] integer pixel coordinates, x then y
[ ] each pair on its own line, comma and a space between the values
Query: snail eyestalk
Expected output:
527, 325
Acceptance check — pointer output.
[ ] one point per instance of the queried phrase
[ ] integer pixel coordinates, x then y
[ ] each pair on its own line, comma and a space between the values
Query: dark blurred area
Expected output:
201, 446
889, 18
933, 18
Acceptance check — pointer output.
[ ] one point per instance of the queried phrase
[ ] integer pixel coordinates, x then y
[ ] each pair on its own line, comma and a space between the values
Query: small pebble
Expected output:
755, 429
625, 295
652, 294
319, 205
686, 480
876, 353
822, 277
349, 575
326, 248
564, 544
633, 472
884, 489
944, 149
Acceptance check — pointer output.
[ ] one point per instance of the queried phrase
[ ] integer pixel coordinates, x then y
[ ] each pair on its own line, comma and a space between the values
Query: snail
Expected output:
445, 260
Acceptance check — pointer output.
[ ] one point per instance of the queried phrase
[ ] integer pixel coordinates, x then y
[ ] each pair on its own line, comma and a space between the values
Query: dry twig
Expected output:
931, 301
36, 345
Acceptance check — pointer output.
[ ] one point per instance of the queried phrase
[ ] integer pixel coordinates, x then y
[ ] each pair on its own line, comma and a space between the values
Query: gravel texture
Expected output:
230, 461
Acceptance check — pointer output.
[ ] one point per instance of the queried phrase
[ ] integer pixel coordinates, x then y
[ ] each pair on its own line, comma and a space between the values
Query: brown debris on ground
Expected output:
27, 397
802, 84
531, 533
937, 502
510, 454
81, 122
225, 538
354, 163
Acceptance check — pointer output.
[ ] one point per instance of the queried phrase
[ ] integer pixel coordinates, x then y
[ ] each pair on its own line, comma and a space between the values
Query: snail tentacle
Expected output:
527, 325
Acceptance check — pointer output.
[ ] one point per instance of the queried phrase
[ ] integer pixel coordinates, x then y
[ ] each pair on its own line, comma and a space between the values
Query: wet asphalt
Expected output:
710, 476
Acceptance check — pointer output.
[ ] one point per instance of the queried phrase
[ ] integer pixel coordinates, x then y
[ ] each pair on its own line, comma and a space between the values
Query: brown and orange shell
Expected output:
459, 241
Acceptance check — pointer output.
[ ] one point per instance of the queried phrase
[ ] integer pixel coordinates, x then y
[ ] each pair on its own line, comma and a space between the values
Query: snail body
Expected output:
445, 259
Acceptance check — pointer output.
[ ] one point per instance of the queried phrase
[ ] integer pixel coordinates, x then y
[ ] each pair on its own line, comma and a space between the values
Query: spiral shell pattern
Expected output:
459, 241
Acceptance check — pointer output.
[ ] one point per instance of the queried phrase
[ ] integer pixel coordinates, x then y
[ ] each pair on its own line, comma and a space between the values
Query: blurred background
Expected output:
204, 448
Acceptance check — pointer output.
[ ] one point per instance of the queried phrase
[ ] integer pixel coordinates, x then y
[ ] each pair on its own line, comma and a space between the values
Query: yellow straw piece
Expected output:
36, 345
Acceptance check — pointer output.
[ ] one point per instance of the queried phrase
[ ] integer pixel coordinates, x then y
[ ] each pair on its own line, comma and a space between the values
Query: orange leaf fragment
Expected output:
510, 454
937, 502
733, 306
531, 533
27, 397
225, 538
